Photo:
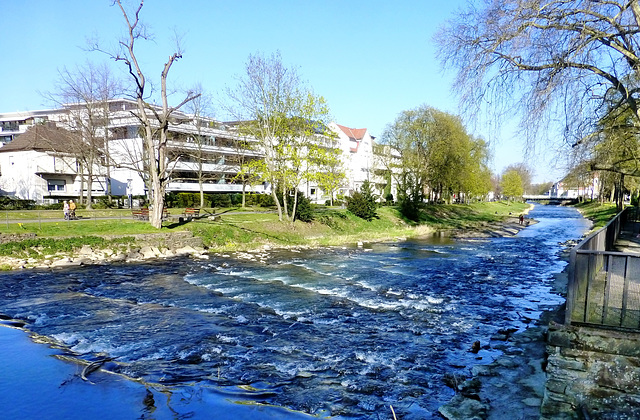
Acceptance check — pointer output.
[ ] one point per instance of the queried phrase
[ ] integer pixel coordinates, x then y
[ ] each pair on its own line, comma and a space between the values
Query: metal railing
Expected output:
604, 285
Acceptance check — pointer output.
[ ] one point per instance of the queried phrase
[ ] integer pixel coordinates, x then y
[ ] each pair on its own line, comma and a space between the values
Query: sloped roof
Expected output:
353, 133
43, 138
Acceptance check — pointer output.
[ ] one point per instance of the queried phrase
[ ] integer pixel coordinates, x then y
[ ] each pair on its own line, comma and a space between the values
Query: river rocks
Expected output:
461, 408
64, 262
165, 246
85, 250
513, 383
15, 237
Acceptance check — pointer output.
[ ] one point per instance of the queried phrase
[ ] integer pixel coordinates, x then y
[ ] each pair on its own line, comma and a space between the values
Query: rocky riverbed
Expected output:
513, 386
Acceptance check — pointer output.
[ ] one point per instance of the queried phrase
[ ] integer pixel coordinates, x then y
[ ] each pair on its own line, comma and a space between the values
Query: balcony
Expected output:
193, 187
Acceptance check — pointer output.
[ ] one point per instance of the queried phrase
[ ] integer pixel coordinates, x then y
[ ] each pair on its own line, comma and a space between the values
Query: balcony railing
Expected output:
212, 187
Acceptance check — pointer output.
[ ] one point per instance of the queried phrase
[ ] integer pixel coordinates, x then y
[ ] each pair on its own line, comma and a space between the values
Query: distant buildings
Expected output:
587, 187
57, 154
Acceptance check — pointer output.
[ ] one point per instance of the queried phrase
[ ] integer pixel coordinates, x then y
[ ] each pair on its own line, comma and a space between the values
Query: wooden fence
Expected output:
604, 285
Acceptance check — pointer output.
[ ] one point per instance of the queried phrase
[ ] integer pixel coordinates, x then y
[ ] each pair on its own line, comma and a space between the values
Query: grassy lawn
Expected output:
242, 229
462, 216
598, 213
333, 226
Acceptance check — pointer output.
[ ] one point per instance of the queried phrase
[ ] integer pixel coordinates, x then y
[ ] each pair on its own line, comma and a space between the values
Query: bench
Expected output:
140, 214
143, 214
191, 212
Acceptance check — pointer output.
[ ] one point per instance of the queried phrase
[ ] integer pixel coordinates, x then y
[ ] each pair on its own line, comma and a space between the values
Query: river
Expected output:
342, 332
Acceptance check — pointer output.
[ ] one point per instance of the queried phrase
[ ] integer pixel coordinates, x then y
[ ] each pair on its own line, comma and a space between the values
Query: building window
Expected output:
55, 185
313, 191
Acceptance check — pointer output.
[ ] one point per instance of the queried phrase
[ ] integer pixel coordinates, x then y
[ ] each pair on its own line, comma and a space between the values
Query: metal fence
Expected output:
604, 285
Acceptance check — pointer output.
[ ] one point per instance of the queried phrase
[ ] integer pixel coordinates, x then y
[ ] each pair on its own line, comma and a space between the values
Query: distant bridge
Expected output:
548, 198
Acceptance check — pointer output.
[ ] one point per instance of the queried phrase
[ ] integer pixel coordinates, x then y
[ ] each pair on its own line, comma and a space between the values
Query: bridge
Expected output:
551, 200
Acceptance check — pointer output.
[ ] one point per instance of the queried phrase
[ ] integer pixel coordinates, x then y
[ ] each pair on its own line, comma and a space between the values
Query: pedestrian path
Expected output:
629, 239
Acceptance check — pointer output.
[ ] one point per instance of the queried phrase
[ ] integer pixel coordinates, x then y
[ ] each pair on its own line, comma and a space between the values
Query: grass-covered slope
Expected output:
239, 229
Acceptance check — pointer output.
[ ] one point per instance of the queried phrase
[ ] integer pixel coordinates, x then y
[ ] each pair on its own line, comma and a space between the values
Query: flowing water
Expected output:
342, 332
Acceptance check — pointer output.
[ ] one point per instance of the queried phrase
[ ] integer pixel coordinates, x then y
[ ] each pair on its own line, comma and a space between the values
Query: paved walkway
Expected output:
629, 239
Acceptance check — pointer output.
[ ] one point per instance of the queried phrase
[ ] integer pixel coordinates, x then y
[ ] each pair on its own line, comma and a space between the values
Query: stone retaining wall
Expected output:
592, 373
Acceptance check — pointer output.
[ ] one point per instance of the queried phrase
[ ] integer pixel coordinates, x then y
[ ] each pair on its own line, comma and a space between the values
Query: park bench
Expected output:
143, 214
140, 214
191, 212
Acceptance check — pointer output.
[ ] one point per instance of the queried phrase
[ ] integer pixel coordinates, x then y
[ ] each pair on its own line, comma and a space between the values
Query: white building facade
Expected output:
204, 152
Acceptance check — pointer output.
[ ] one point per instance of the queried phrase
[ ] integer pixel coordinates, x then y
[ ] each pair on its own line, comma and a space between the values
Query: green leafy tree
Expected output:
290, 124
511, 184
436, 156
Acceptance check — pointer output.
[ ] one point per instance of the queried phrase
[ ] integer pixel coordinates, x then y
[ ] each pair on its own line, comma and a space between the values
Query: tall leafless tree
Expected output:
85, 92
154, 121
197, 150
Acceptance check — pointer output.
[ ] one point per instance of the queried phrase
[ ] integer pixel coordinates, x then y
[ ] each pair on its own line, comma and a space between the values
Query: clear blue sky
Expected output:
370, 59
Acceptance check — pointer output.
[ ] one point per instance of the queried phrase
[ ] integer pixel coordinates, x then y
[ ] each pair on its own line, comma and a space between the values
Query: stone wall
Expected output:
592, 373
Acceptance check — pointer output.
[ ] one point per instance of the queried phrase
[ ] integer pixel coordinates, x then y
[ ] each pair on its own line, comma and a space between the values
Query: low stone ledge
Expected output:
595, 339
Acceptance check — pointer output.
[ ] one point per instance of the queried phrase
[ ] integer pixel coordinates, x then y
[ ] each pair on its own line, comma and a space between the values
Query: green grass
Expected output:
36, 247
80, 227
239, 229
334, 226
598, 213
462, 216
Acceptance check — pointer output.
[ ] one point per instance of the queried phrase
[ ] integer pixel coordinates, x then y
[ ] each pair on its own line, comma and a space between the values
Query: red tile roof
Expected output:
353, 133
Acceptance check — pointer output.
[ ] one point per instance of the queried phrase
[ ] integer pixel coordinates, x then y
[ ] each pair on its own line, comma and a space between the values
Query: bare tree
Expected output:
154, 121
85, 92
196, 150
245, 158
549, 58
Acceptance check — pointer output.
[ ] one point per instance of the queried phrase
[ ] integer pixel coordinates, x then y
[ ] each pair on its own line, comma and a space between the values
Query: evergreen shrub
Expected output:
363, 203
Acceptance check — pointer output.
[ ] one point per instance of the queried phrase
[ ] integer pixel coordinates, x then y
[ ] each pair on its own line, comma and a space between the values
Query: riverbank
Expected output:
257, 232
515, 381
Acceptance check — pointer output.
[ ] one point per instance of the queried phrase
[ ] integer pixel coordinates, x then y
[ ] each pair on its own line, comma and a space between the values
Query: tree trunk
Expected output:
157, 200
244, 192
89, 186
294, 207
620, 198
81, 195
108, 161
201, 192
285, 208
277, 201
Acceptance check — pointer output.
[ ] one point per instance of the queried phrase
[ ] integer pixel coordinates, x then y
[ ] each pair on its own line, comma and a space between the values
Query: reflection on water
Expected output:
341, 332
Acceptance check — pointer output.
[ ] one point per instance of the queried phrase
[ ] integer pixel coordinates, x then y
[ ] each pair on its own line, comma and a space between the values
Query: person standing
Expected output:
65, 209
72, 209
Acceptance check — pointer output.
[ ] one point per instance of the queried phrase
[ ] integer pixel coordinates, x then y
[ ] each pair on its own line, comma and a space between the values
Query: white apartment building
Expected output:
589, 187
362, 160
38, 163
